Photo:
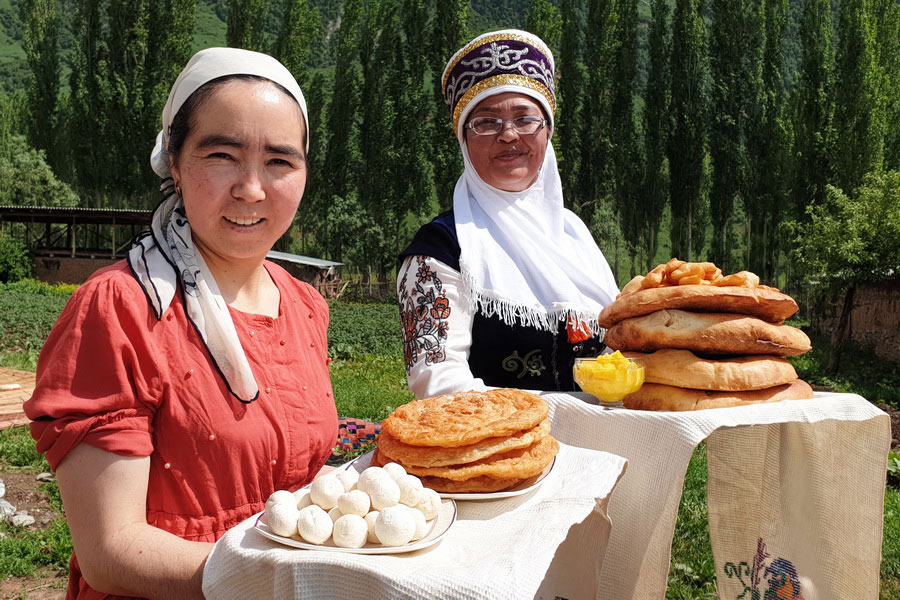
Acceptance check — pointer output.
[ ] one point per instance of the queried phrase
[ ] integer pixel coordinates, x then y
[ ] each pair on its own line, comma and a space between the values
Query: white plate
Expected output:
522, 488
439, 526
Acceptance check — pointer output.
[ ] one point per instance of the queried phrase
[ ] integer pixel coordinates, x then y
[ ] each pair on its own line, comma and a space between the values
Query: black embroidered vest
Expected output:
506, 355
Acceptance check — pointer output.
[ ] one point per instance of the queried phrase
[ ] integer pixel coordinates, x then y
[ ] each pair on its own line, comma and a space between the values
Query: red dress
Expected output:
113, 376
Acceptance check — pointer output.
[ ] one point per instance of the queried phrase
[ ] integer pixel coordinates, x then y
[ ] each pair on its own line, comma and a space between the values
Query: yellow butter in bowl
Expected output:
609, 377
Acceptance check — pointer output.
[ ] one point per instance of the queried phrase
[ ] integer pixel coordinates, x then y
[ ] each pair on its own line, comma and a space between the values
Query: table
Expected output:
795, 493
526, 546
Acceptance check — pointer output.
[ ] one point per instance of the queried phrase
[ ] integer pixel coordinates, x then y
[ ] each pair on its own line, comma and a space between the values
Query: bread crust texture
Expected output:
683, 368
464, 418
766, 304
654, 396
706, 333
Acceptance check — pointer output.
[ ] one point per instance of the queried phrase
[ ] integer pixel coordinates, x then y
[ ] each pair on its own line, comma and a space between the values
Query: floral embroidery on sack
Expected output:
531, 364
424, 311
777, 580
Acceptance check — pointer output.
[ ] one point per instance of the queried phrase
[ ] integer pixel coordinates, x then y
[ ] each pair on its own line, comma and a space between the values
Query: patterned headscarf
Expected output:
164, 258
512, 59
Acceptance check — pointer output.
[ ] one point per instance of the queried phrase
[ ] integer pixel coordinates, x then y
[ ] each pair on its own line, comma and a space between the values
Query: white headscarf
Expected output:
524, 256
165, 257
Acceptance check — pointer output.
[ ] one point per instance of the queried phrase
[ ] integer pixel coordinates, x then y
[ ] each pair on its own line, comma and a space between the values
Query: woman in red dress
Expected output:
179, 388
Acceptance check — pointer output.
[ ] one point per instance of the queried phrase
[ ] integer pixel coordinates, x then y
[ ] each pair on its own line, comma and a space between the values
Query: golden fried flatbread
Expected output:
475, 485
465, 418
478, 484
683, 368
762, 303
435, 456
516, 464
706, 333
654, 396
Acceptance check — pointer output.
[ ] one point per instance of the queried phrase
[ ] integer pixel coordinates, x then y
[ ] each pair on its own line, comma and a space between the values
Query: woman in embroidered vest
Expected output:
179, 389
504, 290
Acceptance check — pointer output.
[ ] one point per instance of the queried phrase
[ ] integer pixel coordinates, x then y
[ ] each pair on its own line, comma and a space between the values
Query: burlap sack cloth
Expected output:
795, 494
548, 544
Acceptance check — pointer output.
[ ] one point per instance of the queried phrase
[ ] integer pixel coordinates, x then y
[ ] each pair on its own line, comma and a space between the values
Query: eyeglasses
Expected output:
529, 125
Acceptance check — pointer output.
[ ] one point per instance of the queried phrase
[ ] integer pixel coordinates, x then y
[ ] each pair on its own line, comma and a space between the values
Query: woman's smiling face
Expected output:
242, 170
508, 161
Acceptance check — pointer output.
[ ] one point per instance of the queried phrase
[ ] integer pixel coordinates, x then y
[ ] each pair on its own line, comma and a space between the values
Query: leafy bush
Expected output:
15, 264
359, 330
27, 178
28, 310
893, 468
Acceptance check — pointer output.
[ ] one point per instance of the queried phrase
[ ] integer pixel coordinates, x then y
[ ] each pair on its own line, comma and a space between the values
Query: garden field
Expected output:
369, 381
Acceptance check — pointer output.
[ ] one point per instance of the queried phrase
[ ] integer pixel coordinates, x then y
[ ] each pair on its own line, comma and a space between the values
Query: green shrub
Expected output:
15, 264
358, 330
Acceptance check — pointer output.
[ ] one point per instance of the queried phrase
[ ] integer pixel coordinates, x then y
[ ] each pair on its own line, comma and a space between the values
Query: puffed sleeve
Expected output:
437, 328
97, 378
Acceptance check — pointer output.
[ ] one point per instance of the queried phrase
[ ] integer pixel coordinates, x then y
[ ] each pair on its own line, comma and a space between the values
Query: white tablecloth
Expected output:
795, 493
547, 543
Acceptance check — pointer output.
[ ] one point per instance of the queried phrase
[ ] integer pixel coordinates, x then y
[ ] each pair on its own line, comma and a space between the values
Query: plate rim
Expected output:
425, 542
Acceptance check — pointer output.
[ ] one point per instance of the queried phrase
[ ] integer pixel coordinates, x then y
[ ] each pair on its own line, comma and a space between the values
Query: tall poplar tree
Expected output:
448, 35
688, 133
733, 58
571, 75
595, 182
339, 204
626, 160
812, 105
245, 26
858, 114
656, 127
545, 21
86, 123
128, 41
299, 29
887, 16
766, 132
41, 45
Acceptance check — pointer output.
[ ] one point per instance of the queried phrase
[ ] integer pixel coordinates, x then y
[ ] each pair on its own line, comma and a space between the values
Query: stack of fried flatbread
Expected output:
706, 340
470, 441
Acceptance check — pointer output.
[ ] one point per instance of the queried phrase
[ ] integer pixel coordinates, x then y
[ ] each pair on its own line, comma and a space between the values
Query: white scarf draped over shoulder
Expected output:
164, 260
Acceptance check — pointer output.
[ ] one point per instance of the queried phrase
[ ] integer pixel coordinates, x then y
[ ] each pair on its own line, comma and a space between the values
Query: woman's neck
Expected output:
245, 286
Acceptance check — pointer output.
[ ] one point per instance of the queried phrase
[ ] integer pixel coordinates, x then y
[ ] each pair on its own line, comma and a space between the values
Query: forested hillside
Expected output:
703, 129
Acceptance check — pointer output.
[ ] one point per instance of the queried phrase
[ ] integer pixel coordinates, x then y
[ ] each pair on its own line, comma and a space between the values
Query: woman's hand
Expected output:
105, 497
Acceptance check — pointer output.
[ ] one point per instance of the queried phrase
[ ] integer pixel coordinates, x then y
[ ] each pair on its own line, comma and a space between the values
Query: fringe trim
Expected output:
512, 313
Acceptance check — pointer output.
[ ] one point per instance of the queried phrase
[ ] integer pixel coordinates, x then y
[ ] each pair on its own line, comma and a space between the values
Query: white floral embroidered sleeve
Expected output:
437, 328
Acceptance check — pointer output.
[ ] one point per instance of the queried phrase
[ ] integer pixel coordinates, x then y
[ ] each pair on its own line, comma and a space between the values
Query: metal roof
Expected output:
302, 260
75, 214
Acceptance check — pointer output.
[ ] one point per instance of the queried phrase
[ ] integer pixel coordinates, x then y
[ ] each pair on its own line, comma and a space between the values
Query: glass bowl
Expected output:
609, 377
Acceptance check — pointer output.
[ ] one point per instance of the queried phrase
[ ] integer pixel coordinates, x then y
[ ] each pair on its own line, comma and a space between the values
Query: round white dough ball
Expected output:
348, 477
368, 476
335, 514
280, 497
371, 517
421, 526
314, 524
350, 531
282, 519
384, 492
325, 490
430, 504
411, 490
354, 502
303, 499
395, 526
395, 470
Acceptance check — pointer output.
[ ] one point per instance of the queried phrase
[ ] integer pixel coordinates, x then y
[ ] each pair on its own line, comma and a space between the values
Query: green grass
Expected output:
692, 572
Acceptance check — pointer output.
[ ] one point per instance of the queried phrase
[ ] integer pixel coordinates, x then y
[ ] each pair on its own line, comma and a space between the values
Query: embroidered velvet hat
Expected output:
509, 60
